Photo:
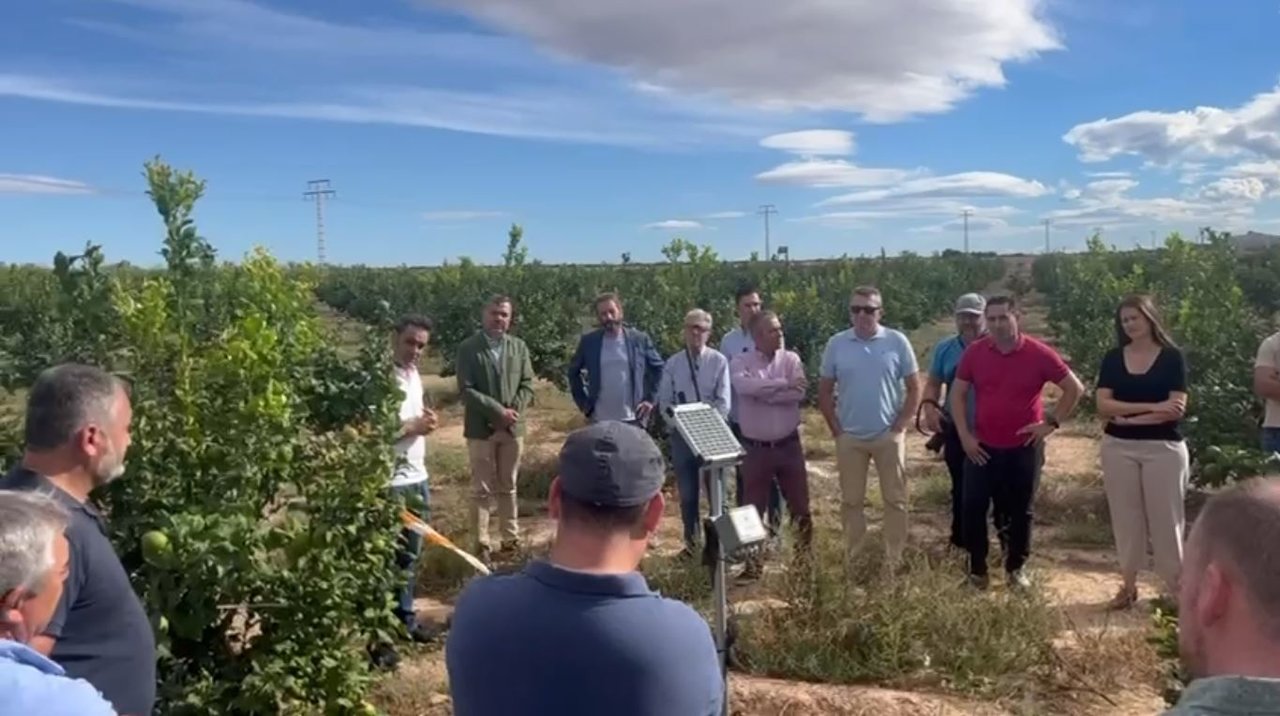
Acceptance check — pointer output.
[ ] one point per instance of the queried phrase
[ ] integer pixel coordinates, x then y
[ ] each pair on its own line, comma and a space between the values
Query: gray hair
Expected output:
698, 316
65, 399
30, 522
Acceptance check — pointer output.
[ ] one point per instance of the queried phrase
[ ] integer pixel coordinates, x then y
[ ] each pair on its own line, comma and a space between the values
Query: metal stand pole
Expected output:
715, 495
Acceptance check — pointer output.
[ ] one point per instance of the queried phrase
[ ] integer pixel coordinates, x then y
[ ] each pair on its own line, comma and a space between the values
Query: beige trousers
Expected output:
1146, 483
853, 460
494, 465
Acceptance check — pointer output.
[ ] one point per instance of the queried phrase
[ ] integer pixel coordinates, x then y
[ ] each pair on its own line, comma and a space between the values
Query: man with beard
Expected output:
1229, 604
1007, 370
77, 434
621, 365
495, 380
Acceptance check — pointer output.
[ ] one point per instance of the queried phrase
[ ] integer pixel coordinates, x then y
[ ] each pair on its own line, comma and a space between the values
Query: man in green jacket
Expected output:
495, 381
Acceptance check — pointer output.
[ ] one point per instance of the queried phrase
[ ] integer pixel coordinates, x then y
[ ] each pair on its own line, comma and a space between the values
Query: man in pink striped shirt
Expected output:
770, 385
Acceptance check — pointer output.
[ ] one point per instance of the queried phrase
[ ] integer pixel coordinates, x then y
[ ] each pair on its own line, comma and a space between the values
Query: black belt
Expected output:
795, 435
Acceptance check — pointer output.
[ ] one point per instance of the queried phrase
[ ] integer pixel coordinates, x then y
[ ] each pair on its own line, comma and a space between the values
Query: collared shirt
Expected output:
32, 684
495, 349
768, 407
737, 342
614, 402
570, 642
1008, 387
101, 631
869, 375
946, 359
1225, 695
690, 379
411, 450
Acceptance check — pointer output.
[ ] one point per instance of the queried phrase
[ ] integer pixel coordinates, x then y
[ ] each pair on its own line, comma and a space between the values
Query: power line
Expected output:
966, 214
766, 210
318, 190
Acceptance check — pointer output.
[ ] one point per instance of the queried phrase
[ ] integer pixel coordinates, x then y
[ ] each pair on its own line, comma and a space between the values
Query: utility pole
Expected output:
765, 210
318, 190
1046, 235
966, 214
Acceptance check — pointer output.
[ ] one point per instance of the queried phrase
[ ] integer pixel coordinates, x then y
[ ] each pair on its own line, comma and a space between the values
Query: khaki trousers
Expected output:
1146, 484
494, 465
853, 460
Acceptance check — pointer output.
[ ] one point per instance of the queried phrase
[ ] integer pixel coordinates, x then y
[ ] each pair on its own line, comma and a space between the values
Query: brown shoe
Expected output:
1125, 598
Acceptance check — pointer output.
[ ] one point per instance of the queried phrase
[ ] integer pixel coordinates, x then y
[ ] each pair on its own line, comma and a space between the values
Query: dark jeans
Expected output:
685, 464
1009, 479
774, 517
410, 549
1271, 440
955, 459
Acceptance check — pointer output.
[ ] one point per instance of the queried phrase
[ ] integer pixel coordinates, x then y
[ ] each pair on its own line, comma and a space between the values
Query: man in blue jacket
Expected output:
621, 365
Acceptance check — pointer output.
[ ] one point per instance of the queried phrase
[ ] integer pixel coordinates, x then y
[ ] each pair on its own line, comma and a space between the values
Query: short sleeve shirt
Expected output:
411, 450
943, 365
1007, 387
102, 632
570, 642
1166, 375
869, 375
1269, 357
32, 684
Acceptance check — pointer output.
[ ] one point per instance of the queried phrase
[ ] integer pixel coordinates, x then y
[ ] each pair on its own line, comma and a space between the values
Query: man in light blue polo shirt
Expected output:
868, 394
34, 556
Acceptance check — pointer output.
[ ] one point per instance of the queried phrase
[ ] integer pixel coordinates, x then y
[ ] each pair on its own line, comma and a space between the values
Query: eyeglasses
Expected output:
698, 329
864, 309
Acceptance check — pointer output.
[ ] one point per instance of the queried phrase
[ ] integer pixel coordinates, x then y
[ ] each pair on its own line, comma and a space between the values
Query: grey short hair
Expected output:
30, 522
66, 398
699, 316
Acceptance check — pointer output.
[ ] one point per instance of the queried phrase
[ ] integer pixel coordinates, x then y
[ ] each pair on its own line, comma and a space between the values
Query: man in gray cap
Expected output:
581, 632
970, 326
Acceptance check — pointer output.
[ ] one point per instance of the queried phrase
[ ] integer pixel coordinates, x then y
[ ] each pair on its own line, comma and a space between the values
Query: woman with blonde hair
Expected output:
1142, 392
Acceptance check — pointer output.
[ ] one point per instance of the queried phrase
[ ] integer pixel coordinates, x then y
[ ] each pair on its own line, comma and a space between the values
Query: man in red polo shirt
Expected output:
1005, 448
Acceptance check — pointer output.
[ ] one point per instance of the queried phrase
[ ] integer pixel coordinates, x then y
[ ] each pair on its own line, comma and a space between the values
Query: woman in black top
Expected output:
1142, 391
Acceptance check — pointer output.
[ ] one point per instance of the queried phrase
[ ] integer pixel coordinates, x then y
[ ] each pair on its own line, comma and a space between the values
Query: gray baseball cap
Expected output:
611, 464
971, 303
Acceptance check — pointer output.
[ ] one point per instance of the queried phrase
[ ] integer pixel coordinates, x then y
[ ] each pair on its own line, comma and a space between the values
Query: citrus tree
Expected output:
253, 518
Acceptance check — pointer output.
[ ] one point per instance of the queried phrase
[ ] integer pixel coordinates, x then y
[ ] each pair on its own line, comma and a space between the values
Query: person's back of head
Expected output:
33, 562
1229, 597
77, 418
606, 498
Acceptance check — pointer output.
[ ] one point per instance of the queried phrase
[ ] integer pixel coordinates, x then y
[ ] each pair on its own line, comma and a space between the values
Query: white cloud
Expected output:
461, 215
725, 215
832, 173
812, 142
1109, 188
909, 209
674, 225
37, 184
885, 61
1107, 203
1109, 175
977, 224
1201, 133
964, 184
1228, 189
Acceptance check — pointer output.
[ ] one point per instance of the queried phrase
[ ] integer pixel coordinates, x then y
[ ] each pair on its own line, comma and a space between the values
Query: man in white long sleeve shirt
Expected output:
696, 374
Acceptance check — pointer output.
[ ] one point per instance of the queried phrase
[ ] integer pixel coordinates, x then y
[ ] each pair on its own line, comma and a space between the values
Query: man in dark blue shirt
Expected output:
77, 434
581, 633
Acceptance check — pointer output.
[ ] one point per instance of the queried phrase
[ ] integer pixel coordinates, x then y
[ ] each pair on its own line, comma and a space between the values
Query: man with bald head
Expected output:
1229, 604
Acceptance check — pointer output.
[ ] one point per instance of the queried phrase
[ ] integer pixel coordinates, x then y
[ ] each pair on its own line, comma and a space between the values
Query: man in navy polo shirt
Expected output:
1005, 447
581, 633
77, 434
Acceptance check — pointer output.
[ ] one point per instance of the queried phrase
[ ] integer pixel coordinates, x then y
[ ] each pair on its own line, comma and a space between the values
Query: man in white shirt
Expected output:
409, 477
1266, 384
696, 374
736, 343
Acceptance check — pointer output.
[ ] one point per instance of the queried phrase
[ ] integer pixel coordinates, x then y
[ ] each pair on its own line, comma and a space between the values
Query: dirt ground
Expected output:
1103, 654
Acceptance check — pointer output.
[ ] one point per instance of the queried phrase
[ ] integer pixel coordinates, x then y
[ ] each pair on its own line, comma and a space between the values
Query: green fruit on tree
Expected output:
156, 548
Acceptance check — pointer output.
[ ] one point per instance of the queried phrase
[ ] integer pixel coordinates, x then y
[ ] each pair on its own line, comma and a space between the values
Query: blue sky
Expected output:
605, 126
